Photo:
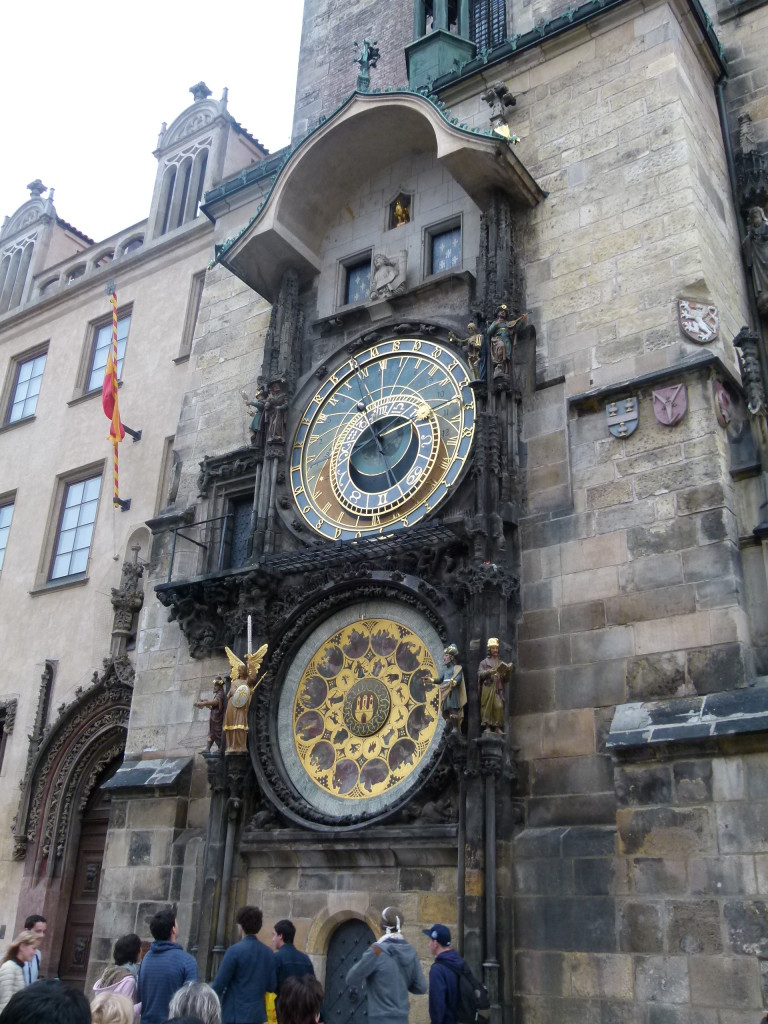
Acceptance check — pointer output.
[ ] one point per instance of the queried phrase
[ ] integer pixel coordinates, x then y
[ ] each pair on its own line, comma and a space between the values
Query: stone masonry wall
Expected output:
632, 594
331, 33
661, 918
328, 885
153, 854
618, 122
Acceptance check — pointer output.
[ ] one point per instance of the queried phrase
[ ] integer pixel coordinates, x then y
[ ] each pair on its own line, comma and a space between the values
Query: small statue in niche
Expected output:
472, 346
756, 253
500, 339
401, 214
243, 681
217, 705
453, 692
492, 673
388, 277
258, 403
275, 412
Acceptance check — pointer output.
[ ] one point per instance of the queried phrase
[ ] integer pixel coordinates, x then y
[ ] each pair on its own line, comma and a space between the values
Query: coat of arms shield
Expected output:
670, 404
622, 416
698, 321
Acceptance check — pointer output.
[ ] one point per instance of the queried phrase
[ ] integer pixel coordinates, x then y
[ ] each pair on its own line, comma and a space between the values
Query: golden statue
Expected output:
243, 681
401, 214
491, 676
472, 347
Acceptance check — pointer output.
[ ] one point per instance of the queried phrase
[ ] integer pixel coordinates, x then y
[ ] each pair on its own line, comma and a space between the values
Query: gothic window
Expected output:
488, 23
27, 375
102, 343
6, 514
13, 275
357, 280
75, 530
169, 180
444, 248
180, 202
182, 189
198, 177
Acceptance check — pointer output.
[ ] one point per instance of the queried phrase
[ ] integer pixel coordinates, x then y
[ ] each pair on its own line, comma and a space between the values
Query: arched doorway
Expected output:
60, 829
342, 1004
78, 930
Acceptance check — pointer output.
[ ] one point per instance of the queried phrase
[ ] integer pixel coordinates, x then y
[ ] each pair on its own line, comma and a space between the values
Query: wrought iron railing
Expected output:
212, 535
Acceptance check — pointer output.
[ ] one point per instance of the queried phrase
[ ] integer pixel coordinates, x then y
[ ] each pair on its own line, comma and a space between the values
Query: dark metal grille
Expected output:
344, 1005
241, 522
489, 19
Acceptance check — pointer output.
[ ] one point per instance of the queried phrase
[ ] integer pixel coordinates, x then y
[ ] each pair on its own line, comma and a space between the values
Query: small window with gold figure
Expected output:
400, 210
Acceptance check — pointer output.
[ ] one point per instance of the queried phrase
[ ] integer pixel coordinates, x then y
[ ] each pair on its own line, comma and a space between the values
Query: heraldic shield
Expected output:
622, 417
670, 404
698, 321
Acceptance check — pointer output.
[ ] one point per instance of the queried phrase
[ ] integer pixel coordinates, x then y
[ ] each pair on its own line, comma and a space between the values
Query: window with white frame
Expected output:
102, 343
75, 531
6, 515
26, 387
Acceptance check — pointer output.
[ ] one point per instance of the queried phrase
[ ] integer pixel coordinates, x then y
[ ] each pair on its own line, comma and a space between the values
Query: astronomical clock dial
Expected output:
383, 440
359, 715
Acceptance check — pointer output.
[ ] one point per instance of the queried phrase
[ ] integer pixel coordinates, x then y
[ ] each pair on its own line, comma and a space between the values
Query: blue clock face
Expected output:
383, 439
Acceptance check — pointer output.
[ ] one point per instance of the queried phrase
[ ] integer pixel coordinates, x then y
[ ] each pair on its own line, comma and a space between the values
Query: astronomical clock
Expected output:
379, 445
383, 440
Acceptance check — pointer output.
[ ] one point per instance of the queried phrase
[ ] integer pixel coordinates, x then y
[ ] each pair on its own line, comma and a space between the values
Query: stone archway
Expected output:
64, 769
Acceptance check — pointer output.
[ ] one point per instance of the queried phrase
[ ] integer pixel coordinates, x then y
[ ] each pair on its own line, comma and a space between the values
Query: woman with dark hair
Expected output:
300, 1000
120, 977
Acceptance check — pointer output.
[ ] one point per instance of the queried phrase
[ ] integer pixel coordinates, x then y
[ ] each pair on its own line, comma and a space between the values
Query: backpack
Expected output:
473, 1000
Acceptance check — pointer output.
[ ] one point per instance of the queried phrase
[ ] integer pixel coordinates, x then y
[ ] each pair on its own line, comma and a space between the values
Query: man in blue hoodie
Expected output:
443, 976
164, 969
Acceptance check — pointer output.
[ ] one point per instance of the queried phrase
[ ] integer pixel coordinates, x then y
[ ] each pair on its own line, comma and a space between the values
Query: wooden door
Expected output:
344, 1005
78, 930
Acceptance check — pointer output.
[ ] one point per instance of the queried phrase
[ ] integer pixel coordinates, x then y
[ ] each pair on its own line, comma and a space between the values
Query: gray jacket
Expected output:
386, 973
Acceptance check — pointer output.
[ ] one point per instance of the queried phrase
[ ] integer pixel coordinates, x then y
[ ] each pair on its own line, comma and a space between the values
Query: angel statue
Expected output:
243, 682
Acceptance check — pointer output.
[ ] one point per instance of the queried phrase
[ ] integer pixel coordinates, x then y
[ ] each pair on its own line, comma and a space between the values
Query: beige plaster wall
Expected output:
71, 625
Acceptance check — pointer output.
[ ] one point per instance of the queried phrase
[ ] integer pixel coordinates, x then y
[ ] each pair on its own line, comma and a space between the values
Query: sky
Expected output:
89, 84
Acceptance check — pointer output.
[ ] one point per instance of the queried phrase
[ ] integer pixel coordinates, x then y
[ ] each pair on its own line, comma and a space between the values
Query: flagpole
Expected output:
122, 503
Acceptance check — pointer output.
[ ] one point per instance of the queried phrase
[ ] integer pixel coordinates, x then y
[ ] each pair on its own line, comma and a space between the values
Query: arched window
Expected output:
183, 179
166, 196
198, 179
132, 246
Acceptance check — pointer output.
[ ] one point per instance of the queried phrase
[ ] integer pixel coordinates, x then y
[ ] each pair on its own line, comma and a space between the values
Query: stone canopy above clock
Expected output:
368, 134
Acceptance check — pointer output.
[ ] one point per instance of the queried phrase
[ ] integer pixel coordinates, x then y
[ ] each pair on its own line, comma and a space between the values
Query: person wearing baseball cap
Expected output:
443, 976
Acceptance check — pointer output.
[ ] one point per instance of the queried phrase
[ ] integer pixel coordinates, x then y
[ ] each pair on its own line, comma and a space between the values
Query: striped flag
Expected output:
109, 387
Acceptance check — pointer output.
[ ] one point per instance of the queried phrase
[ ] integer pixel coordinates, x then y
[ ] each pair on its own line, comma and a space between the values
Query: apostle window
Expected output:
6, 514
443, 249
27, 374
75, 530
357, 281
101, 345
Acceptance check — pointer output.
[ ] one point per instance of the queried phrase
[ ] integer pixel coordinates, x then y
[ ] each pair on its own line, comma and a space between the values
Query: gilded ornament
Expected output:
366, 709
